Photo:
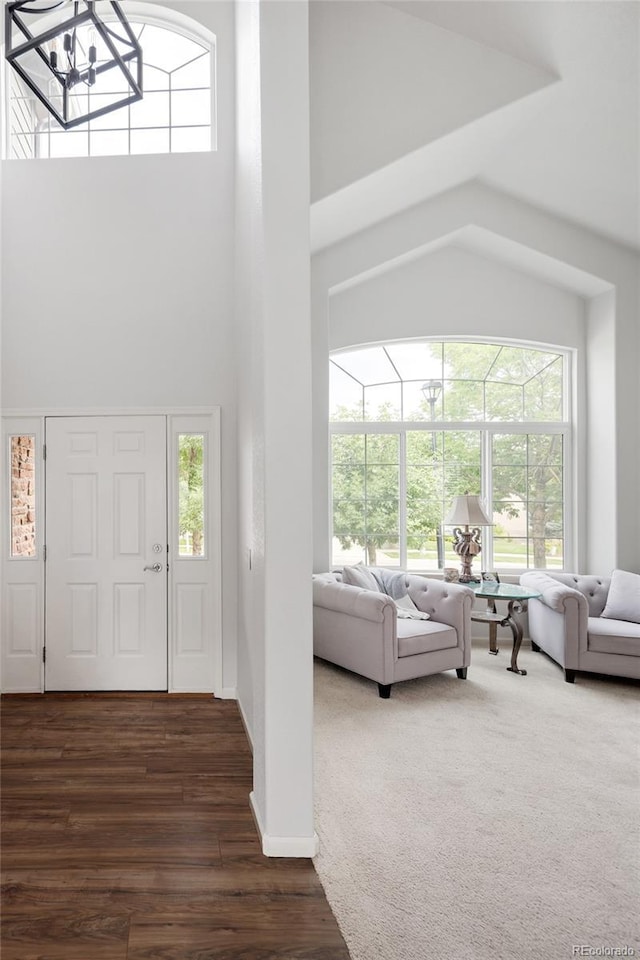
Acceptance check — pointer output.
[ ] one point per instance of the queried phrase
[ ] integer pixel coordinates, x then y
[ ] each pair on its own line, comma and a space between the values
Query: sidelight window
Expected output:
23, 496
191, 495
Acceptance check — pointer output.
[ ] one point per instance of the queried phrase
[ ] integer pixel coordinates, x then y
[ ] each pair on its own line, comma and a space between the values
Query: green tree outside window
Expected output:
191, 494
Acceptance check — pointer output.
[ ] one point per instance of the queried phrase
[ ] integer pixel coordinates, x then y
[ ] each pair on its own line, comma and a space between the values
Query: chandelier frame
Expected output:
128, 63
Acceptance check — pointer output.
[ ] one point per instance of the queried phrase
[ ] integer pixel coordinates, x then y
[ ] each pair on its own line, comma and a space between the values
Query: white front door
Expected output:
106, 562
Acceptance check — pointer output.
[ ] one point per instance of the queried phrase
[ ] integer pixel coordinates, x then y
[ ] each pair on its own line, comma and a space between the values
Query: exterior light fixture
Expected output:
77, 65
431, 390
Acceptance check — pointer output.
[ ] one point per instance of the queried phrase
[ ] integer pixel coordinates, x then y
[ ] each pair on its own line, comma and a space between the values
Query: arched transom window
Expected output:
174, 116
414, 424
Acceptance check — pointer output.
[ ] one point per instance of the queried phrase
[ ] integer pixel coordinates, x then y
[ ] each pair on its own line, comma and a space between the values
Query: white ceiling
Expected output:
538, 99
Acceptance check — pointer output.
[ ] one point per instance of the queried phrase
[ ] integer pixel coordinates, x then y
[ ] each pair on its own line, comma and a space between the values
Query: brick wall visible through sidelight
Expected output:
23, 499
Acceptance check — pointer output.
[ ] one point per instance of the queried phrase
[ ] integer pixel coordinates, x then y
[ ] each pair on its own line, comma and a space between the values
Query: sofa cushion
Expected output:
613, 636
623, 601
418, 636
360, 576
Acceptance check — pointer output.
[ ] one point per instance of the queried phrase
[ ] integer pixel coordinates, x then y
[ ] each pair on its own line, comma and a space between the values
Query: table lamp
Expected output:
467, 510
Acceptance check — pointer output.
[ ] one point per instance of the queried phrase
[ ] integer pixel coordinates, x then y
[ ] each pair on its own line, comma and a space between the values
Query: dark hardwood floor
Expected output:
127, 835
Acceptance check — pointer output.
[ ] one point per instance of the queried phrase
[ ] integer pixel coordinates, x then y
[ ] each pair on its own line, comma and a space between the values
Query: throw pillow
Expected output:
359, 576
407, 609
623, 600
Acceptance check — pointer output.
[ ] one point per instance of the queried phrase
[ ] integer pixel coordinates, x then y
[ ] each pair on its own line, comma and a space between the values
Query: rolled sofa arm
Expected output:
558, 619
353, 601
555, 594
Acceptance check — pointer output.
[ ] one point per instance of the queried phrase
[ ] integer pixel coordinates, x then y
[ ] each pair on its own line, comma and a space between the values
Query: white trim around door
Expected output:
194, 638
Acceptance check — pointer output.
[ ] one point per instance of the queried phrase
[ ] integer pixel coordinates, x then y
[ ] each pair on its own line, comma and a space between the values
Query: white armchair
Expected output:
566, 622
359, 629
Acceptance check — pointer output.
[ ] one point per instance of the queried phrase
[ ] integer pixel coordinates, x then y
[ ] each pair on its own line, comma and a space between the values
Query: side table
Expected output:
516, 598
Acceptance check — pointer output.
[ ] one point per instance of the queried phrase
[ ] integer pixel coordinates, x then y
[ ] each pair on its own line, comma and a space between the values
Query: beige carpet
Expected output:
495, 818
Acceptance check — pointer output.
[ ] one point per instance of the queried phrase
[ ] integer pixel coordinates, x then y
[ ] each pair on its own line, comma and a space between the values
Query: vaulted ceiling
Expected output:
539, 100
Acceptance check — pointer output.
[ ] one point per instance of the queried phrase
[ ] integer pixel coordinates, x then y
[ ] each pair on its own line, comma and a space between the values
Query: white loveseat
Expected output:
359, 629
567, 623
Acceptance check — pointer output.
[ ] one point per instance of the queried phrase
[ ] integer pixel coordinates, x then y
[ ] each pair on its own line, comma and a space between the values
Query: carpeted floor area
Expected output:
496, 818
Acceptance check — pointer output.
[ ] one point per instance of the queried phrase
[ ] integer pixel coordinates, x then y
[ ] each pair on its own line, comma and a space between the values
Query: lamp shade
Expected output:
469, 511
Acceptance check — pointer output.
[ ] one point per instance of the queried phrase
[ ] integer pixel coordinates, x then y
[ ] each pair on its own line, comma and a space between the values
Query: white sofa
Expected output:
567, 623
359, 629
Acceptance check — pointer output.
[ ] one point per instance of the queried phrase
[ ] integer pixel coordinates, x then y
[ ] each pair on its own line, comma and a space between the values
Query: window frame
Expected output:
487, 429
193, 31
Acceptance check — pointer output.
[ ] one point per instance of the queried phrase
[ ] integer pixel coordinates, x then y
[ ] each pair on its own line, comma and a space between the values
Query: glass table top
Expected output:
503, 591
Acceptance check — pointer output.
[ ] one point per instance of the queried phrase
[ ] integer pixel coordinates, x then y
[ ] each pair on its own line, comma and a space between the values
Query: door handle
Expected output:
156, 567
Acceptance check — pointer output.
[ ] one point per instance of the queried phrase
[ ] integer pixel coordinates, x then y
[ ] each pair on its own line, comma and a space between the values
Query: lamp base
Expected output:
466, 544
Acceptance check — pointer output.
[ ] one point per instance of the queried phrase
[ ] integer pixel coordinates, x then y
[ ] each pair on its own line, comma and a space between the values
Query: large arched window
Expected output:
415, 424
174, 116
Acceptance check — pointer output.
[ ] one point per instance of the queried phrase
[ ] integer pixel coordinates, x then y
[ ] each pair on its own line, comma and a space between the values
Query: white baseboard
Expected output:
284, 846
247, 729
227, 693
290, 846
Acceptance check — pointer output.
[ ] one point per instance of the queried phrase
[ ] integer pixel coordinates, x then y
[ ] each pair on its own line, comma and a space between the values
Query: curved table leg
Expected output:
516, 630
493, 638
493, 627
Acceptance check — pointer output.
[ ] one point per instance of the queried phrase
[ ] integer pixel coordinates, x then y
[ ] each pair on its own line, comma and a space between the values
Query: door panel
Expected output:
106, 528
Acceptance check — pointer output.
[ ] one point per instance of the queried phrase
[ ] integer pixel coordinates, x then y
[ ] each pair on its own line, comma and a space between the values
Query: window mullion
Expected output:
569, 551
365, 518
402, 500
170, 116
486, 473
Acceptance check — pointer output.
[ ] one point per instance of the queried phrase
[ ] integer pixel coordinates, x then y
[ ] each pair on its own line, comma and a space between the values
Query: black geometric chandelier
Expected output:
77, 65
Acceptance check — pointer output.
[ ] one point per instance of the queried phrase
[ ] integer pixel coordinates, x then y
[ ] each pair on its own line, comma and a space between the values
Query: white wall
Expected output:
582, 261
384, 83
4, 515
117, 288
275, 680
133, 299
601, 470
455, 292
249, 327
